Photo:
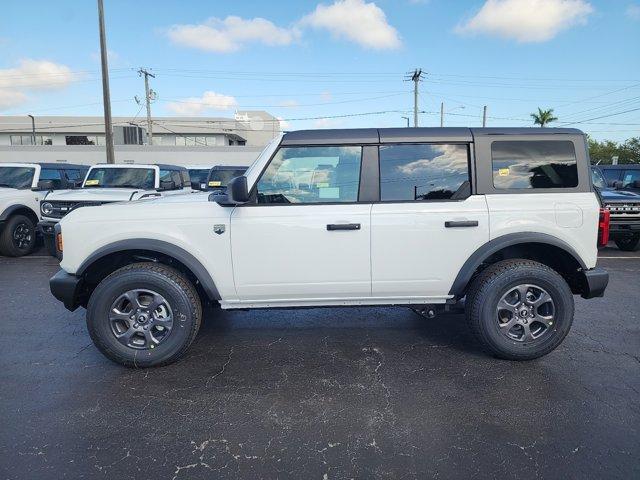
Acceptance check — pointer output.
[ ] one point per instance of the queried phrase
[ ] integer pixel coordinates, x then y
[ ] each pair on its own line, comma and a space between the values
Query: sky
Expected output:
332, 63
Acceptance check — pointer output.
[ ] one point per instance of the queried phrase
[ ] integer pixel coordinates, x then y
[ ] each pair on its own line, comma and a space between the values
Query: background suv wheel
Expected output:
519, 309
144, 315
18, 236
629, 243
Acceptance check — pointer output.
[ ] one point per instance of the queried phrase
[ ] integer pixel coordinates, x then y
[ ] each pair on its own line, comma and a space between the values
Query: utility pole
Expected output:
33, 129
484, 116
415, 77
441, 114
407, 119
106, 96
148, 93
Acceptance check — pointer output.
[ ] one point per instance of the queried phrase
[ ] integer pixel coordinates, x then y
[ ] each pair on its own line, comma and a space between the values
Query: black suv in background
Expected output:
622, 177
220, 175
624, 208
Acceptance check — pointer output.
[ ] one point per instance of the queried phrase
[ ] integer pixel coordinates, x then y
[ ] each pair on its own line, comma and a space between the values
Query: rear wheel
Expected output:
18, 237
144, 315
629, 243
519, 309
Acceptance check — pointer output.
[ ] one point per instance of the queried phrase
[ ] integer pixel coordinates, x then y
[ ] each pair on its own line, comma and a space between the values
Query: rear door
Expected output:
306, 238
426, 224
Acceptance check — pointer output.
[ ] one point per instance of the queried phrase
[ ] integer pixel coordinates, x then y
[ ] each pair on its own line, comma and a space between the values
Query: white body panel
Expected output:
285, 252
414, 254
10, 197
572, 218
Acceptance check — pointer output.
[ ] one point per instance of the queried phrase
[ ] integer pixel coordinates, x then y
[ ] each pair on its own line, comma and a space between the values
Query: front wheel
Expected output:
629, 243
18, 237
519, 309
144, 315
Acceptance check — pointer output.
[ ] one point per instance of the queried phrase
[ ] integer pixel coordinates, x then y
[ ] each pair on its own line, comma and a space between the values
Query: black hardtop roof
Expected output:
408, 134
229, 167
63, 166
621, 166
164, 166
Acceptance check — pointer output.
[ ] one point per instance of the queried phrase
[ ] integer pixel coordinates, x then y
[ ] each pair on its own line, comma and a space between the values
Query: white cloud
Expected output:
32, 75
327, 123
360, 22
231, 34
527, 20
291, 103
284, 124
633, 11
207, 102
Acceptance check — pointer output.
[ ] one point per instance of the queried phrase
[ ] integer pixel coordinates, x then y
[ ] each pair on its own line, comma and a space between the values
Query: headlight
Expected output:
46, 208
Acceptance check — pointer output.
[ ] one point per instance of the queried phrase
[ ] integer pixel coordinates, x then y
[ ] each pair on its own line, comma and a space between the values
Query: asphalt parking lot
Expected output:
324, 393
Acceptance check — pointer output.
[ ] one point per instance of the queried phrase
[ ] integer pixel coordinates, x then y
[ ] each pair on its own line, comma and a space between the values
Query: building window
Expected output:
80, 139
534, 164
28, 140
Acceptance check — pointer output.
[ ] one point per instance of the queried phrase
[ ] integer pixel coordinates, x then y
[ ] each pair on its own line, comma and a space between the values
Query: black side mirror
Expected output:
167, 185
237, 190
617, 185
44, 185
236, 194
636, 184
76, 183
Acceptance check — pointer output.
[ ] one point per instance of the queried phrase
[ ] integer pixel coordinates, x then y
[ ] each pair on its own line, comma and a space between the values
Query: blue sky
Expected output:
332, 58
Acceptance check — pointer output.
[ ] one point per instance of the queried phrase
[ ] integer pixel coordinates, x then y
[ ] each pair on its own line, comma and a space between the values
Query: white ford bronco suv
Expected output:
22, 185
108, 183
504, 219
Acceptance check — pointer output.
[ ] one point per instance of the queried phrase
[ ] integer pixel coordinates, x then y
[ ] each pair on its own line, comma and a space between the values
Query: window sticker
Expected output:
503, 172
92, 182
329, 192
214, 183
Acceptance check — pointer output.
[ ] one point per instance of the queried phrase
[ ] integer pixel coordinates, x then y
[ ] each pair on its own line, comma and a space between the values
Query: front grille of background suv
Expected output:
624, 209
61, 208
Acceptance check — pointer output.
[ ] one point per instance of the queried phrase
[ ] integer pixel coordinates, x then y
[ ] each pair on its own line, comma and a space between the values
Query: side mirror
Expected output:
617, 185
237, 193
167, 185
44, 185
636, 184
76, 183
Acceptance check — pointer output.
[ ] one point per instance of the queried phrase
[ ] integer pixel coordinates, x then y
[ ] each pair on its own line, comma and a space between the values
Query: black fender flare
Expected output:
159, 246
497, 244
13, 208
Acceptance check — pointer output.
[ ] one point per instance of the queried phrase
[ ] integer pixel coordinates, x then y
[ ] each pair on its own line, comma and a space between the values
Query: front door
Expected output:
305, 238
426, 224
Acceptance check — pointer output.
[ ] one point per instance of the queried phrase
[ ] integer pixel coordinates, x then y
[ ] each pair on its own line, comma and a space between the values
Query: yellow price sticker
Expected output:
215, 184
503, 172
92, 182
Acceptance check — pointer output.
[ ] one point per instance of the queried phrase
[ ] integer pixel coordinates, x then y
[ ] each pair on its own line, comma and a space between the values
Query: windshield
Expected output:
16, 177
220, 178
598, 179
142, 178
198, 175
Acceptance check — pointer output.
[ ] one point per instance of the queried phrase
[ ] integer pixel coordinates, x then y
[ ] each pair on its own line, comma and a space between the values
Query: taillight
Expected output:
603, 227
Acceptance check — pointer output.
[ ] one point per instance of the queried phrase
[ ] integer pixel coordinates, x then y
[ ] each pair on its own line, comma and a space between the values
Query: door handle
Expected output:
343, 226
461, 223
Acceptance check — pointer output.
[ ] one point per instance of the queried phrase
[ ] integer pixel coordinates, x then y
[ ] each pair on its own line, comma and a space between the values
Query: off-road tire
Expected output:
494, 282
168, 282
630, 243
7, 245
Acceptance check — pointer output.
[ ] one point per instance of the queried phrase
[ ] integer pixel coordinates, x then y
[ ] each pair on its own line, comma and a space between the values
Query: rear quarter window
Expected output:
534, 164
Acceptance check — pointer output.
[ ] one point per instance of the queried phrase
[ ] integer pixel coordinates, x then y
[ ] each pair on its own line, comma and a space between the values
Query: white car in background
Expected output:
22, 186
109, 183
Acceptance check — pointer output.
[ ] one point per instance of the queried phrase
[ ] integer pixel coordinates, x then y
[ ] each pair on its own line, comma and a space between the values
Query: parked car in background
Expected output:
624, 208
622, 176
423, 217
108, 183
22, 185
198, 175
220, 175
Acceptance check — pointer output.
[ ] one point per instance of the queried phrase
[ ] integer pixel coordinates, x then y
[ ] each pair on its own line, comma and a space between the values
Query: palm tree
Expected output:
543, 117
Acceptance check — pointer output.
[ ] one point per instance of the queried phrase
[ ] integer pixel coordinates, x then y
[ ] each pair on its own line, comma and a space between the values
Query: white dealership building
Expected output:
176, 140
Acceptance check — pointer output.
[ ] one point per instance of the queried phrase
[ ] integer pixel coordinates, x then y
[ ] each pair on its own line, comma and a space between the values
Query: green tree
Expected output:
543, 117
603, 152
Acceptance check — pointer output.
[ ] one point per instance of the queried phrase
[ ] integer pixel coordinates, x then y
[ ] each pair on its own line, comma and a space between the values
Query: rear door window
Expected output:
534, 164
419, 172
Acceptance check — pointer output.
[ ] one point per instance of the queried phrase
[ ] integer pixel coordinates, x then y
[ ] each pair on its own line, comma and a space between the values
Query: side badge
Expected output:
219, 229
